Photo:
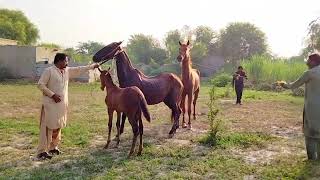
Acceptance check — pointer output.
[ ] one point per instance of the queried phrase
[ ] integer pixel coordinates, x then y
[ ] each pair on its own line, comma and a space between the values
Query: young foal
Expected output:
130, 101
190, 80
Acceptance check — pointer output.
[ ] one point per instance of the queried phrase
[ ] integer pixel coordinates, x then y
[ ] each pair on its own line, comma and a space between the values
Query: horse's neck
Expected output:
111, 88
186, 66
124, 66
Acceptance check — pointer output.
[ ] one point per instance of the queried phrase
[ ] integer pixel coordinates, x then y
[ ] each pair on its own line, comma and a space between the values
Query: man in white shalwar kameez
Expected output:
54, 85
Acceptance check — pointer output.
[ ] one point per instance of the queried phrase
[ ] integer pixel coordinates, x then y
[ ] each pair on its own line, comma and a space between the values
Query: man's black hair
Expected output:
59, 57
240, 67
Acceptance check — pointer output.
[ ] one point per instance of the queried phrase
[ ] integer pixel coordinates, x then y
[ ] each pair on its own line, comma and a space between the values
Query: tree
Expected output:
89, 48
241, 40
172, 44
77, 57
142, 49
16, 26
204, 34
313, 37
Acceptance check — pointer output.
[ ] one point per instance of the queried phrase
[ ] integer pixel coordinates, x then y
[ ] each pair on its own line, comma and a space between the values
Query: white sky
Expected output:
67, 22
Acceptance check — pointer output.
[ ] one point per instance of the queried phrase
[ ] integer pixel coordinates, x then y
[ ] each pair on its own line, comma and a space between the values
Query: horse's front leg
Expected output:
118, 128
122, 123
190, 98
110, 113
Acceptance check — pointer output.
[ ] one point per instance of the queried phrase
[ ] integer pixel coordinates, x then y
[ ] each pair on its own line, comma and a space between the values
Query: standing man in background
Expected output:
237, 83
54, 85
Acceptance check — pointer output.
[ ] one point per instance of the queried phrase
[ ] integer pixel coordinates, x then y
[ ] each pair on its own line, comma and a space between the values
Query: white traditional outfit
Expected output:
54, 115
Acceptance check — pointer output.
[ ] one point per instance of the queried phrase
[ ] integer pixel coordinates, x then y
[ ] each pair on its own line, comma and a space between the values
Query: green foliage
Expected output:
215, 125
222, 80
172, 44
204, 34
265, 69
77, 57
241, 40
170, 68
313, 37
142, 48
16, 26
89, 48
298, 92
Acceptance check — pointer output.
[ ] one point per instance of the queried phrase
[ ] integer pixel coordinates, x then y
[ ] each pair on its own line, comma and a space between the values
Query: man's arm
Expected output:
299, 82
77, 71
43, 82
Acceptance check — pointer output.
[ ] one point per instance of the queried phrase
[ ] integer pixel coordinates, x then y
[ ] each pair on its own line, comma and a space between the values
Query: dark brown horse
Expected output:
190, 80
165, 87
128, 100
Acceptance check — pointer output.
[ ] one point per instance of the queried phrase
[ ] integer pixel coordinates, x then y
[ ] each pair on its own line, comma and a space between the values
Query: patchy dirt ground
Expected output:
181, 157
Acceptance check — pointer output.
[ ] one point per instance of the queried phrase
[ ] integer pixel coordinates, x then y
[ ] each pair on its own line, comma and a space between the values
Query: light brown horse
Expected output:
130, 101
190, 80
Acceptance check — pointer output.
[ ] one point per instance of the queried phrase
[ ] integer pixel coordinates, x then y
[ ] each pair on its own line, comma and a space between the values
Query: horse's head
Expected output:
184, 51
108, 52
105, 78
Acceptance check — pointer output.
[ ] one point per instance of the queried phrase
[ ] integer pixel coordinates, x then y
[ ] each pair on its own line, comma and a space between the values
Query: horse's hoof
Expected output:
189, 127
129, 155
106, 146
139, 153
171, 135
184, 125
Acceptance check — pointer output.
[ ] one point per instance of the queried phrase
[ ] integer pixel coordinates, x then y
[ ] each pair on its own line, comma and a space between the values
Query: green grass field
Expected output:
260, 140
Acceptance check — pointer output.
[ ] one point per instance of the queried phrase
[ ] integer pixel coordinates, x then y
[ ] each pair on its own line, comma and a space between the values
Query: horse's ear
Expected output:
188, 43
180, 43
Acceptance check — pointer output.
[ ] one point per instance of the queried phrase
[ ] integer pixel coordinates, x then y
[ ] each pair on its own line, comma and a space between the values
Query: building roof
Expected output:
7, 42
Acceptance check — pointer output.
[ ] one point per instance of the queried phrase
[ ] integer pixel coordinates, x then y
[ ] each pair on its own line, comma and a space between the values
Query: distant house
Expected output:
7, 42
29, 61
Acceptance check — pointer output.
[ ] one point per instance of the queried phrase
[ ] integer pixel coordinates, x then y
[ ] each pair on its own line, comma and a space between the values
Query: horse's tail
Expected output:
144, 108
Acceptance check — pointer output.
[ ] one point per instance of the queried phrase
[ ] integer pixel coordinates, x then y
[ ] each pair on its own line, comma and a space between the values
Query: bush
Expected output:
264, 87
169, 68
215, 124
222, 80
298, 92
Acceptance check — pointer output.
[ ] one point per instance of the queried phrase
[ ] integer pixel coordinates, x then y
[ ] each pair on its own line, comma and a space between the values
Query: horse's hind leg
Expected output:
118, 129
196, 94
135, 129
110, 113
141, 134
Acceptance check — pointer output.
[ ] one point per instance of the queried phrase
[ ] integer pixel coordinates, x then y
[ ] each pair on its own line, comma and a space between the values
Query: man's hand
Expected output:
56, 98
282, 84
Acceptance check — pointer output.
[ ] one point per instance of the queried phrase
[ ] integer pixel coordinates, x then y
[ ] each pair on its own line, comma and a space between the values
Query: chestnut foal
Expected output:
130, 101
